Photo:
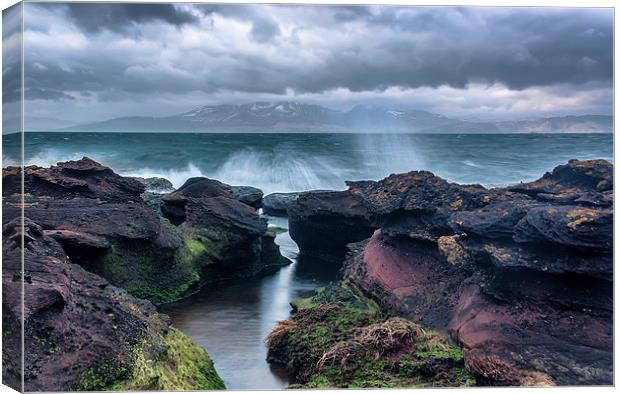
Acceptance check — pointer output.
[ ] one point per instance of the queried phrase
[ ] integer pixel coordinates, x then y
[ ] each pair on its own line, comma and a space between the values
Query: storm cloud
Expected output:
122, 59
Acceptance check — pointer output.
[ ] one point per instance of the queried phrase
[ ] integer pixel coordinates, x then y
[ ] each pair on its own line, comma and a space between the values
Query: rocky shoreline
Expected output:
442, 284
100, 251
519, 278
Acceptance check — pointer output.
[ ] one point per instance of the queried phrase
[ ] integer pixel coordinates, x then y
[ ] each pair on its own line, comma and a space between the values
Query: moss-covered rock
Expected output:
340, 339
81, 332
179, 365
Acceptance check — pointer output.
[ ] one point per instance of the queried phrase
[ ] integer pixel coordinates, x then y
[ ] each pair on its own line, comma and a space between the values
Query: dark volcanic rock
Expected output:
105, 226
249, 195
568, 226
224, 233
276, 204
571, 181
81, 333
82, 178
521, 275
323, 223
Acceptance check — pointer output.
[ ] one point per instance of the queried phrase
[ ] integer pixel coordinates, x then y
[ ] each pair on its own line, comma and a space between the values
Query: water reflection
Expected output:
231, 320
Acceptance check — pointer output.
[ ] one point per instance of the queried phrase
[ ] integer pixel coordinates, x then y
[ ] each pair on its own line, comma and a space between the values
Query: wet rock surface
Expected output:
521, 274
249, 195
276, 204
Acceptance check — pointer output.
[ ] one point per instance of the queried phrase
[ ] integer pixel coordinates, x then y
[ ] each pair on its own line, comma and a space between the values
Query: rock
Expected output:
571, 346
106, 227
567, 226
276, 204
200, 187
81, 333
156, 184
83, 178
79, 242
408, 277
522, 275
572, 178
173, 204
496, 220
248, 195
323, 223
225, 235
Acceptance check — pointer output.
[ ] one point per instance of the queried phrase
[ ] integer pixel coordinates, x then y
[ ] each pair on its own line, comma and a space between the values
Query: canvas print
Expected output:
204, 196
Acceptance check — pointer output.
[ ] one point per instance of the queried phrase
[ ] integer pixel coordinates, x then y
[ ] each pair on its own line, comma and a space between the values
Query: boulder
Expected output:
83, 178
276, 204
249, 195
225, 234
323, 223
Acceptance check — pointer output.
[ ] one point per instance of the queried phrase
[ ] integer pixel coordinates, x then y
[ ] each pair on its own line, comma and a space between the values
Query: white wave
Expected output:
45, 158
280, 171
176, 176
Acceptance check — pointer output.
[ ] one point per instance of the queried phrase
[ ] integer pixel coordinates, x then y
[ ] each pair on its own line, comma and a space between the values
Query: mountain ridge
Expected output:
291, 116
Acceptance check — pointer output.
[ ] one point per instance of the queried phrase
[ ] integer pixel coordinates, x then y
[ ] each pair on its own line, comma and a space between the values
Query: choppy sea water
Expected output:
232, 319
294, 162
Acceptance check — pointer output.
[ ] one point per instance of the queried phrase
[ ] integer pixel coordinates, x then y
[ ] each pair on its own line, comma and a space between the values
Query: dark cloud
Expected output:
11, 68
314, 49
119, 17
264, 30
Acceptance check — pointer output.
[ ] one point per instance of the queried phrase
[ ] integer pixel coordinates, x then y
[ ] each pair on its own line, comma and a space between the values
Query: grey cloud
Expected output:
120, 17
264, 30
46, 94
11, 68
358, 48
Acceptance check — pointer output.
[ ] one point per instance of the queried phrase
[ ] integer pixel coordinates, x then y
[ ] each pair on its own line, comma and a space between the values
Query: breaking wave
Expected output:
281, 171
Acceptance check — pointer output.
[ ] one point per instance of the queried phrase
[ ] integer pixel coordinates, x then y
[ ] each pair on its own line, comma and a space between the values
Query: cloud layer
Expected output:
94, 61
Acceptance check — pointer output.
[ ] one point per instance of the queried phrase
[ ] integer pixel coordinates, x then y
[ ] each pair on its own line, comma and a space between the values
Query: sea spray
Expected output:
385, 154
281, 171
177, 176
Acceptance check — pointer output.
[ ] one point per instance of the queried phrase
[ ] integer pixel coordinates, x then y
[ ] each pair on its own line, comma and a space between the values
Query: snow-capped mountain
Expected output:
290, 116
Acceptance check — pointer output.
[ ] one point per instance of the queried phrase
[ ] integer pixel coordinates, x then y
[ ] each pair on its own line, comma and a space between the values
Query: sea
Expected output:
296, 162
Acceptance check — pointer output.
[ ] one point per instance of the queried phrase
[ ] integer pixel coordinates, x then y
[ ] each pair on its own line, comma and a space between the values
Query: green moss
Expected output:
450, 353
464, 377
195, 247
181, 365
158, 274
104, 376
332, 342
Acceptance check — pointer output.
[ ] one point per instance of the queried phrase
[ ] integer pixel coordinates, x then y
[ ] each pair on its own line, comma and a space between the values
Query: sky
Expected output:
90, 62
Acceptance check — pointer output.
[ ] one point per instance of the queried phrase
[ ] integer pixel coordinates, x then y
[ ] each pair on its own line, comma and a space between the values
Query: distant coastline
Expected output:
295, 117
